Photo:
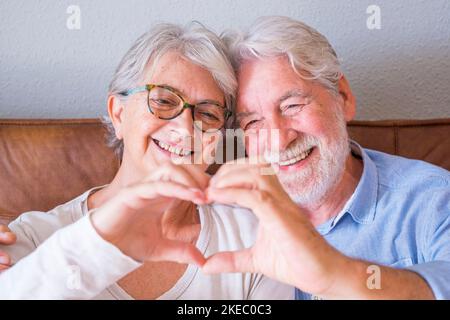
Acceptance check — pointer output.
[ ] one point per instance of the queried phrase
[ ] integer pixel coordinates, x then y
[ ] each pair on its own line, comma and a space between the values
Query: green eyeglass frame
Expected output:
186, 105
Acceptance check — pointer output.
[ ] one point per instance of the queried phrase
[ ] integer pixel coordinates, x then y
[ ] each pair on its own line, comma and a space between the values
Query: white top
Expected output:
59, 255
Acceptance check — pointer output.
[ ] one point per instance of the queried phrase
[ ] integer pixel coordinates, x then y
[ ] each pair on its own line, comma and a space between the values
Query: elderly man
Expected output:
353, 222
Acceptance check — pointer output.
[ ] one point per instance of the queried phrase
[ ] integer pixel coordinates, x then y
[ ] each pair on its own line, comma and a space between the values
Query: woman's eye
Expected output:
163, 102
209, 116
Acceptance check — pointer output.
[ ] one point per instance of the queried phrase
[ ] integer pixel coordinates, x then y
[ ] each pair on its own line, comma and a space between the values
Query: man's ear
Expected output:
345, 92
115, 111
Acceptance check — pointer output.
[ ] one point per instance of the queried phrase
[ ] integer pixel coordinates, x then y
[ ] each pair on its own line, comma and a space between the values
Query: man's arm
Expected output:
357, 279
288, 247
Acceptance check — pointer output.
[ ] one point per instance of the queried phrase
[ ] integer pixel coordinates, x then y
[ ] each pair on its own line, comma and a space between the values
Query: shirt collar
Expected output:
362, 204
364, 199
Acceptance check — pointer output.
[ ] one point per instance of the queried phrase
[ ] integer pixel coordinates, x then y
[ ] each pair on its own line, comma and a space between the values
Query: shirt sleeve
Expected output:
73, 263
436, 269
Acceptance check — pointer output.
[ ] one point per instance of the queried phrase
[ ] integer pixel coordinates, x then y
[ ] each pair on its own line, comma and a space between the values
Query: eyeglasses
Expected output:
166, 103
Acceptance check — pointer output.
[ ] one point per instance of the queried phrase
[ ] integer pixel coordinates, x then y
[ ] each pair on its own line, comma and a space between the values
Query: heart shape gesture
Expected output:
142, 221
288, 248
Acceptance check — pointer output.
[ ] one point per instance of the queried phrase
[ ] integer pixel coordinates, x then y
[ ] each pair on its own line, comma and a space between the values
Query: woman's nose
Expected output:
184, 122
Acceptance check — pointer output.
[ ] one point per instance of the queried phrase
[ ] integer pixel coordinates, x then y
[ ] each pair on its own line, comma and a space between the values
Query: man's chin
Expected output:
298, 188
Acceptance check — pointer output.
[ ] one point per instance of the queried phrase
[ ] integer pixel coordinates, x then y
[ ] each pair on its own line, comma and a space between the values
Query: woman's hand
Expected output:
6, 238
143, 220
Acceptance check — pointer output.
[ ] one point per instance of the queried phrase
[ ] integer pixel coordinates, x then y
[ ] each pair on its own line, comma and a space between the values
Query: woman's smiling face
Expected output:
150, 141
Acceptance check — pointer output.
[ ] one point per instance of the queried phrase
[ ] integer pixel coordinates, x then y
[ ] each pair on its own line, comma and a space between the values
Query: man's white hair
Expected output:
193, 41
311, 55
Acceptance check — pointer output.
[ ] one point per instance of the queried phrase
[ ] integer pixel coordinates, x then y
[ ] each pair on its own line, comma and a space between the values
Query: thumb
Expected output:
230, 261
178, 251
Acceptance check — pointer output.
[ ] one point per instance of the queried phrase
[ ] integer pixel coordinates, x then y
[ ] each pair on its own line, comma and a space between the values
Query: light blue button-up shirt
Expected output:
398, 216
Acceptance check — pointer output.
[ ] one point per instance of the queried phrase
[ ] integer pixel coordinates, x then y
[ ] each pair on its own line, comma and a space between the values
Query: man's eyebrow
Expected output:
293, 93
212, 101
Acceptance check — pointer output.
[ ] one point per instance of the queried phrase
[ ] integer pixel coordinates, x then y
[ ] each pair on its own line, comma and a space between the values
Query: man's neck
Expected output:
338, 196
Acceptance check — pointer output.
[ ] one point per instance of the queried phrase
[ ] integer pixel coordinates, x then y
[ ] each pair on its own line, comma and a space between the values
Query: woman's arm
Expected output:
6, 238
82, 259
73, 263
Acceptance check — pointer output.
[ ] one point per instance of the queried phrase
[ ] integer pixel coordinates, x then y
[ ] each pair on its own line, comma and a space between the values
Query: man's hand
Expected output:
144, 221
287, 248
6, 238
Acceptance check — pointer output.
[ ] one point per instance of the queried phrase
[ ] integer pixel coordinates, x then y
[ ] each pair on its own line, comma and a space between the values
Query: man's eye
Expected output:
253, 124
292, 109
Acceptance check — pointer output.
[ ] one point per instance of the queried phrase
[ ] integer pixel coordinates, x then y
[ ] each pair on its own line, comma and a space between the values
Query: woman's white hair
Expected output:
311, 55
193, 41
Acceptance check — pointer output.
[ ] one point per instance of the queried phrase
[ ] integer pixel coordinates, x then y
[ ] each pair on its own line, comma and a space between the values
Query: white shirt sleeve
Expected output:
73, 263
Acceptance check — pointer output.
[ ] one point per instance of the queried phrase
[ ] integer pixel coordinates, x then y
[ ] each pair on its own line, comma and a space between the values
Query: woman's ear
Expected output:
345, 92
115, 111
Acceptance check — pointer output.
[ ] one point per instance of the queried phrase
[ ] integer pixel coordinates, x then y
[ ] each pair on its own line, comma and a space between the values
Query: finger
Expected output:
187, 174
4, 259
259, 201
140, 196
246, 178
4, 228
178, 251
239, 196
7, 238
231, 261
198, 174
174, 173
249, 164
3, 268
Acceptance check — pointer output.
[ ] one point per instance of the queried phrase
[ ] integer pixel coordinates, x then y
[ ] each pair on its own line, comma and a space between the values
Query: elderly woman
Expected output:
145, 234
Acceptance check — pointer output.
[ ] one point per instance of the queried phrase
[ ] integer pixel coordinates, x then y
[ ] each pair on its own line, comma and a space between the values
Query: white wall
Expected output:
49, 71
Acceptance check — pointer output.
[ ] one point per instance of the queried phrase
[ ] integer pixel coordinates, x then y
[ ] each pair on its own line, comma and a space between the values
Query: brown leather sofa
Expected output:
44, 163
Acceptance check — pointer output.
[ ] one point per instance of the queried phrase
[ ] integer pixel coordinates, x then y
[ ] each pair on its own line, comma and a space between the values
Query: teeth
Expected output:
176, 150
295, 159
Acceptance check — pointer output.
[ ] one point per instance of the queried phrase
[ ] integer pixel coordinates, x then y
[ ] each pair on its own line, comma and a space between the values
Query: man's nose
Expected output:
281, 133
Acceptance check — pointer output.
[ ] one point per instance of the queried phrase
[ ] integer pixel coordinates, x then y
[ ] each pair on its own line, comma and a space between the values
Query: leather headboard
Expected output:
44, 163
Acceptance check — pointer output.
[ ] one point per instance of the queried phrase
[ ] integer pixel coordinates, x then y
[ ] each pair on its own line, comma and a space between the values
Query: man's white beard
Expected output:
312, 183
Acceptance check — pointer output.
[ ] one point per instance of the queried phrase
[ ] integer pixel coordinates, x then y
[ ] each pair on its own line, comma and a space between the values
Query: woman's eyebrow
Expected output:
181, 94
242, 115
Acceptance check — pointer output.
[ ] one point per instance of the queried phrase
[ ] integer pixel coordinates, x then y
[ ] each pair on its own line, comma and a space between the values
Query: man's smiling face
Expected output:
311, 121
